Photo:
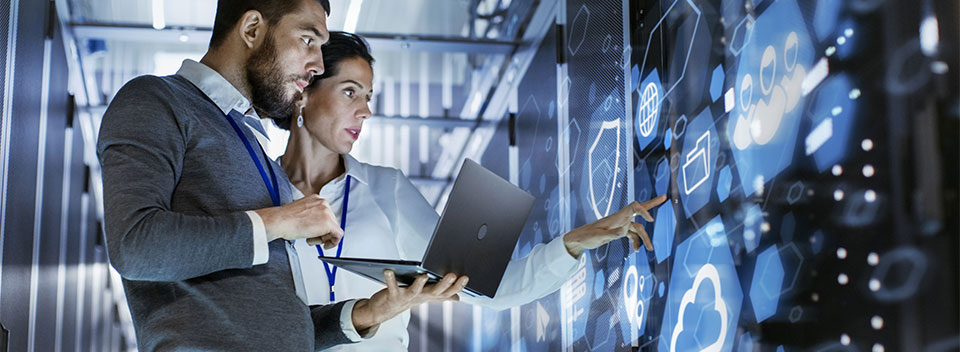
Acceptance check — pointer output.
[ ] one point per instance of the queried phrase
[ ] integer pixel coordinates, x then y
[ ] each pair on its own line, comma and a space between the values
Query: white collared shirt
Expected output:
388, 218
228, 98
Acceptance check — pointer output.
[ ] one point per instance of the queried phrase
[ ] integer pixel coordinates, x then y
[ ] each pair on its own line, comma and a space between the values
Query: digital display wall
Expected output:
788, 136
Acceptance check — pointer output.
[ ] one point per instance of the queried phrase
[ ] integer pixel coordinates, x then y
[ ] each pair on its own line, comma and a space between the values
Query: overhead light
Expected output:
184, 37
158, 21
353, 15
929, 35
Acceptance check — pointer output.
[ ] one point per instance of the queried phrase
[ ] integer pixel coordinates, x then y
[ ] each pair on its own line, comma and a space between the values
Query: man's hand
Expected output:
309, 217
614, 226
393, 300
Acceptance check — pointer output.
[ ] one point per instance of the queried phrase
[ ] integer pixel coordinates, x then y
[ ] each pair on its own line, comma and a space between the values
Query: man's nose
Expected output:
315, 67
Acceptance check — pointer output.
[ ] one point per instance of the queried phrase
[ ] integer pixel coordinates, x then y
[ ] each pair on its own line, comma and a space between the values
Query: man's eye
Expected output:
307, 40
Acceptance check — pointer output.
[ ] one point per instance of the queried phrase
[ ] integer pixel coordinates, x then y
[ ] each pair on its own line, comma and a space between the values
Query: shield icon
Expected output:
602, 177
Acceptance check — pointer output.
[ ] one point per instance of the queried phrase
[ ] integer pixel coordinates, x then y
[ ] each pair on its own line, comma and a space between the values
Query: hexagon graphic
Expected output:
663, 231
742, 35
656, 32
767, 282
642, 183
716, 83
604, 183
697, 163
647, 120
825, 17
662, 176
578, 30
576, 305
571, 133
706, 272
636, 291
752, 227
704, 280
833, 112
908, 260
724, 181
772, 67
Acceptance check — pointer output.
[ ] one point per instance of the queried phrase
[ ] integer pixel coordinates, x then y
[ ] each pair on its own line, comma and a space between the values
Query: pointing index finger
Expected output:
655, 202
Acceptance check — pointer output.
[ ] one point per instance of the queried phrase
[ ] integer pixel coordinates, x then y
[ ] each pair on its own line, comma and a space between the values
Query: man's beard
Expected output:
267, 83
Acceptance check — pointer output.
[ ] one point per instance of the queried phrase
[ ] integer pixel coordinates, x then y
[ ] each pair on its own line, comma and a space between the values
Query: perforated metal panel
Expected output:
598, 152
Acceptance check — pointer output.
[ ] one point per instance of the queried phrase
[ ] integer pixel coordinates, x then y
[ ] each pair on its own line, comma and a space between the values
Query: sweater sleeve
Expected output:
141, 148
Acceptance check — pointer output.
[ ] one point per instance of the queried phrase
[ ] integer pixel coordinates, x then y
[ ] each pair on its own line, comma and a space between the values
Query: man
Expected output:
183, 167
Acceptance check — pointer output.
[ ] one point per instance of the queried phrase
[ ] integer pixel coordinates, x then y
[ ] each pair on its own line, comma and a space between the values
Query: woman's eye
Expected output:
348, 92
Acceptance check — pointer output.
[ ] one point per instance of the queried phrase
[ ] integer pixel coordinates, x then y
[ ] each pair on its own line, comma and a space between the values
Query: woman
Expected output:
386, 216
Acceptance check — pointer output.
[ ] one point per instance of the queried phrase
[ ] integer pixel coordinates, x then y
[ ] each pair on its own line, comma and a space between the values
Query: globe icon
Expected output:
649, 109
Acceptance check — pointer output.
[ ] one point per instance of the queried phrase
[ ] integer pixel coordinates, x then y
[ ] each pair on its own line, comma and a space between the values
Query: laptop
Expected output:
475, 236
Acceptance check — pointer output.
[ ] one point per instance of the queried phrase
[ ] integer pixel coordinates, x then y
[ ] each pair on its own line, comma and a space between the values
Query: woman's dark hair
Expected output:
230, 11
341, 46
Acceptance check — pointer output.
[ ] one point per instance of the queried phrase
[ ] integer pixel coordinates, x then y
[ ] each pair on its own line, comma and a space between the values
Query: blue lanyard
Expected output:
332, 274
272, 187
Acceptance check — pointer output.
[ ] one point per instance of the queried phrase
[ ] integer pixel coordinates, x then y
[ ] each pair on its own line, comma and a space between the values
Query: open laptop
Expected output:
475, 236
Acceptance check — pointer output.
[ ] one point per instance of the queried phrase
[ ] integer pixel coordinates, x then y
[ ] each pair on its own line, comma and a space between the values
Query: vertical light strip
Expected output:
389, 109
447, 89
423, 314
82, 270
64, 230
107, 308
404, 147
38, 200
353, 15
628, 112
7, 113
159, 22
106, 80
447, 326
95, 298
477, 335
514, 166
563, 159
424, 85
424, 134
929, 35
515, 329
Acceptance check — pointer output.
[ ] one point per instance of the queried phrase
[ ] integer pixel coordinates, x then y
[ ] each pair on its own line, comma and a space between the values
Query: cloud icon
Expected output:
706, 272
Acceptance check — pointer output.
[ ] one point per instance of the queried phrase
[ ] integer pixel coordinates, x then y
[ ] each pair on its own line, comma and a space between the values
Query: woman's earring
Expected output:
300, 118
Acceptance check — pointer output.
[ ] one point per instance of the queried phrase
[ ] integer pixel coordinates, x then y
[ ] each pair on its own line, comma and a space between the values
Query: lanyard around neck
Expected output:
271, 183
332, 274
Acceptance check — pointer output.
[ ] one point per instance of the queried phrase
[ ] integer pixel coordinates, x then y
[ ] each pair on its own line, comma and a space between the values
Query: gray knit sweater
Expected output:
177, 180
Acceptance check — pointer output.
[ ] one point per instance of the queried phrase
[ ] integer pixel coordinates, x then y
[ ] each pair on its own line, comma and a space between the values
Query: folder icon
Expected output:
696, 169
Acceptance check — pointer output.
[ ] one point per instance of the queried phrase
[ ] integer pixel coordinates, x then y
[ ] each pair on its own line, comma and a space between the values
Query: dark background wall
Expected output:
54, 283
847, 241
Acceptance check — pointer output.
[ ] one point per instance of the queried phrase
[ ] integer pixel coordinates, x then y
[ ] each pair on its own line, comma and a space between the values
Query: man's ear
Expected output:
252, 28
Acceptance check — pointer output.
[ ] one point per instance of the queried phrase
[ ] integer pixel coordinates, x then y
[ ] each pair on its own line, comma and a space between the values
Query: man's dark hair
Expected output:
341, 46
229, 13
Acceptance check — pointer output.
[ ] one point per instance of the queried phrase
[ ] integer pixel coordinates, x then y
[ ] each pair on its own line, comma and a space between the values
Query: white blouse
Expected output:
388, 218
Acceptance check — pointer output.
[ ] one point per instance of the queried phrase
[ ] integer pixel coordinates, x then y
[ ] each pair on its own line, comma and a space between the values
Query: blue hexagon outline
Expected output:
746, 39
686, 60
760, 293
